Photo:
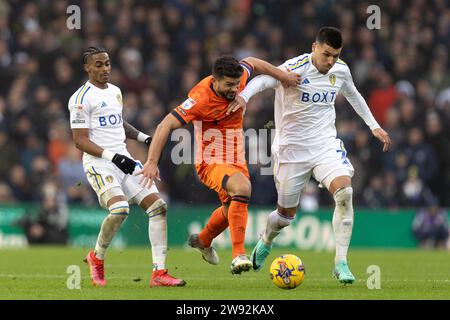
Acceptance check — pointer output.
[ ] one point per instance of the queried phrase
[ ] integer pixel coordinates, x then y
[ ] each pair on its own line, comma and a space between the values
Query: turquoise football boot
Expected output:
259, 254
342, 273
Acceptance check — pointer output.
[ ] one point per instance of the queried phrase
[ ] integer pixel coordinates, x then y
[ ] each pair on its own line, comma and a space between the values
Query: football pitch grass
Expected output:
41, 273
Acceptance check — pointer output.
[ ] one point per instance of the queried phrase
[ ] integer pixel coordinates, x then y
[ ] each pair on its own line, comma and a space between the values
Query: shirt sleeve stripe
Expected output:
300, 59
247, 67
174, 113
84, 94
301, 65
76, 99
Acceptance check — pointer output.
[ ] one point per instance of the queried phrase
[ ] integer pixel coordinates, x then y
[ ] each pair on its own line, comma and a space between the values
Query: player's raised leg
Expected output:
277, 220
290, 179
343, 214
118, 212
239, 189
217, 223
156, 210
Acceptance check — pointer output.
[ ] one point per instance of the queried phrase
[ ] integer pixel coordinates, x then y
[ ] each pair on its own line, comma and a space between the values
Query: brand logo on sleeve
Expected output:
189, 103
181, 111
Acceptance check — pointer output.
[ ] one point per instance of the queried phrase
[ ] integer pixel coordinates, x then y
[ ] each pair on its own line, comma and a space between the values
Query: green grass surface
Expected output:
40, 273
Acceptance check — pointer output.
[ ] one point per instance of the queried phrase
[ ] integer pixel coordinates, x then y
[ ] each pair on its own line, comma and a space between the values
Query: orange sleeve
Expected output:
192, 108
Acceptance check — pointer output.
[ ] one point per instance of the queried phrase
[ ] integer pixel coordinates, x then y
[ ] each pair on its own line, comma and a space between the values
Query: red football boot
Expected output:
97, 269
160, 278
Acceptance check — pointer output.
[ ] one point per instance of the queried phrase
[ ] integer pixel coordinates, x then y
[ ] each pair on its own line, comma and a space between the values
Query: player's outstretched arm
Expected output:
358, 103
258, 84
288, 79
83, 143
133, 133
150, 170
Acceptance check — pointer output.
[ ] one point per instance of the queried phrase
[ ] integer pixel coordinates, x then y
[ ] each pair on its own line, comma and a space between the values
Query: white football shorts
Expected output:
292, 177
104, 175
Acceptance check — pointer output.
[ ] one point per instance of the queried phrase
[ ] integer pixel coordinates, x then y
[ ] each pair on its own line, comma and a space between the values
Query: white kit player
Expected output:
99, 131
305, 142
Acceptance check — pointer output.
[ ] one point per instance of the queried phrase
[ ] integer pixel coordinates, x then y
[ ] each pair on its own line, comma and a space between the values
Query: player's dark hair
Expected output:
330, 36
227, 66
89, 52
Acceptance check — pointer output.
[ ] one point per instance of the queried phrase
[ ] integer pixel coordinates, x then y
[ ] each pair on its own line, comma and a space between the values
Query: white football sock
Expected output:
118, 212
275, 223
343, 222
157, 233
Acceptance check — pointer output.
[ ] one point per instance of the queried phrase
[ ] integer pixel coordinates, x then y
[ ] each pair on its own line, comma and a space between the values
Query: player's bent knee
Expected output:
288, 202
118, 212
157, 208
119, 209
239, 184
288, 212
343, 196
244, 190
109, 194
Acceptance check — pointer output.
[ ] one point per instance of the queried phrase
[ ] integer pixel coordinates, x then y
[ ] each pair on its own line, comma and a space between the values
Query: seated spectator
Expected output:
431, 228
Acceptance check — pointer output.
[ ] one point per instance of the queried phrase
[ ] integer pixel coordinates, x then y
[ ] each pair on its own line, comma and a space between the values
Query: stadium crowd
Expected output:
160, 49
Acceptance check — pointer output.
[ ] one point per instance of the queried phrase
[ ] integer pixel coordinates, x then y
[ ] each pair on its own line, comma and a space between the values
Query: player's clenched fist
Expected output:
149, 172
124, 163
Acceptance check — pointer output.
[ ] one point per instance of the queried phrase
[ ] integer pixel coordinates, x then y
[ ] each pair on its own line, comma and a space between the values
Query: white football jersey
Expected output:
305, 114
100, 111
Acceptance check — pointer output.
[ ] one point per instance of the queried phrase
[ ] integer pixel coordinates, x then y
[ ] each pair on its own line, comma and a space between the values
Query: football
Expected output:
287, 271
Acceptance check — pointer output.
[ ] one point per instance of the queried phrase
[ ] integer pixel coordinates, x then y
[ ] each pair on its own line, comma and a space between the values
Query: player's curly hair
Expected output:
330, 36
227, 66
88, 52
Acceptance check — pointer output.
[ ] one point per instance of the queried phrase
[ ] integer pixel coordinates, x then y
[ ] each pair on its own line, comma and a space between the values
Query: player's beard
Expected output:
228, 95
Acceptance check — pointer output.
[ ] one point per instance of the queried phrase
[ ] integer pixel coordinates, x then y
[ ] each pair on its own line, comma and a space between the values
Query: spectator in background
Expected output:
8, 153
414, 192
437, 135
19, 183
382, 98
373, 194
134, 79
73, 179
6, 196
50, 224
431, 228
421, 155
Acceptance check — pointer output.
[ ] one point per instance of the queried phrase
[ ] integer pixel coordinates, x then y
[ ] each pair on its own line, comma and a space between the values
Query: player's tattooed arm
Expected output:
133, 133
130, 131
